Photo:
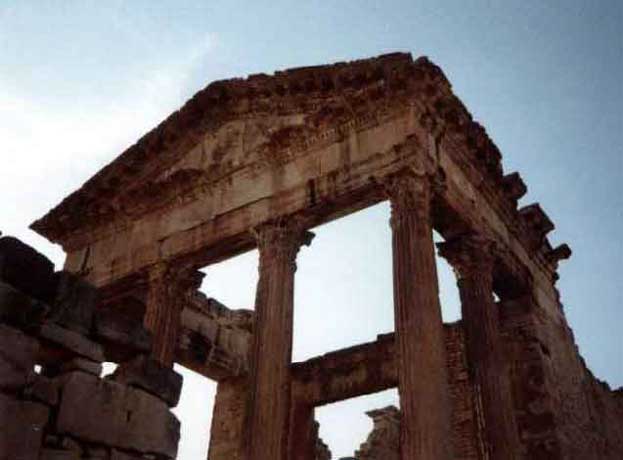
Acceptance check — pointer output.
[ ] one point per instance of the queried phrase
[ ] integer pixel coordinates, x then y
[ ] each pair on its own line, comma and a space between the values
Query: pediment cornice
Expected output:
328, 103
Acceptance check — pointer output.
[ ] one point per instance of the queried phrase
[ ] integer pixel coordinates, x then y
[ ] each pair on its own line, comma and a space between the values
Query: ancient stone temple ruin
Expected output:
256, 163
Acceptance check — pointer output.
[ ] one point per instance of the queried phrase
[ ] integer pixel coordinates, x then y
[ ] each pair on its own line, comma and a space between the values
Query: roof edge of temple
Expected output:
100, 200
206, 105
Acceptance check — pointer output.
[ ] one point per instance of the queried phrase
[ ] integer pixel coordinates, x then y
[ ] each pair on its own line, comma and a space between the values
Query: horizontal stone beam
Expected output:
212, 346
347, 373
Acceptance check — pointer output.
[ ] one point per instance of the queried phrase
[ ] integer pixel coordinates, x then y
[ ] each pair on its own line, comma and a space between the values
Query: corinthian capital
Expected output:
175, 280
409, 195
158, 273
470, 255
280, 240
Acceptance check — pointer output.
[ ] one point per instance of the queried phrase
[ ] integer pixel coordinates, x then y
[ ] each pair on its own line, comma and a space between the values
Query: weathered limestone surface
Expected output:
151, 376
228, 417
214, 340
116, 415
79, 364
117, 331
422, 375
26, 269
18, 309
363, 369
67, 411
473, 257
75, 303
168, 290
269, 378
465, 436
74, 341
321, 449
22, 426
384, 440
562, 410
372, 367
303, 442
43, 389
18, 354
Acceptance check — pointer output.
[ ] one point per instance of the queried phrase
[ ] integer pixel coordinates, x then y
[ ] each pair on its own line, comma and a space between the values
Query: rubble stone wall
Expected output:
384, 440
589, 415
54, 403
565, 412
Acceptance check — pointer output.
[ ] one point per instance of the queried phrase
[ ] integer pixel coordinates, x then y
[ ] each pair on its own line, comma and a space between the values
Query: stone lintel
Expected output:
363, 369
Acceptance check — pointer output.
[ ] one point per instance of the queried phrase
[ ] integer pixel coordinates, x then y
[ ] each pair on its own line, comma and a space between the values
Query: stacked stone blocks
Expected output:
54, 402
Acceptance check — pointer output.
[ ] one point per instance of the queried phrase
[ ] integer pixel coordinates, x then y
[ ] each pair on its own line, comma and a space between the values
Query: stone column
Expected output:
303, 432
424, 401
226, 434
168, 290
270, 381
472, 258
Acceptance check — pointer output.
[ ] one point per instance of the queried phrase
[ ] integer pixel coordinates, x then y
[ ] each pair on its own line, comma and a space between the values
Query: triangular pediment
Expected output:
261, 121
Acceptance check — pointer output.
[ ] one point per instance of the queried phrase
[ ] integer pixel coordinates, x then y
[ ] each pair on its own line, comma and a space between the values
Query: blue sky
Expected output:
79, 81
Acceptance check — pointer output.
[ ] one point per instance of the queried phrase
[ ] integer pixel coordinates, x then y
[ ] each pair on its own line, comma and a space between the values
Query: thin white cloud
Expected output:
48, 151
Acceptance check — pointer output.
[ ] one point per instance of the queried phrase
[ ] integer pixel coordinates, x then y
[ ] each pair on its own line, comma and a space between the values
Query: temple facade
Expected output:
257, 163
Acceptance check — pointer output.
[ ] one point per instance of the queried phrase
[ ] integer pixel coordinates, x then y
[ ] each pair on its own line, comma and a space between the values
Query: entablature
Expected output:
314, 143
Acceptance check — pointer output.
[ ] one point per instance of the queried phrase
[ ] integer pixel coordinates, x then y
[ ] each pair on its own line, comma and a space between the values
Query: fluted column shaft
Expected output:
425, 427
270, 381
168, 290
472, 257
302, 432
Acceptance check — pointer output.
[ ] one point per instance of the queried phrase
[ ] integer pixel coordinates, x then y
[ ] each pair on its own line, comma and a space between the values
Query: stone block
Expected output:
75, 302
18, 309
81, 364
148, 374
97, 453
116, 454
56, 454
44, 390
26, 269
21, 428
112, 327
72, 341
18, 353
107, 412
